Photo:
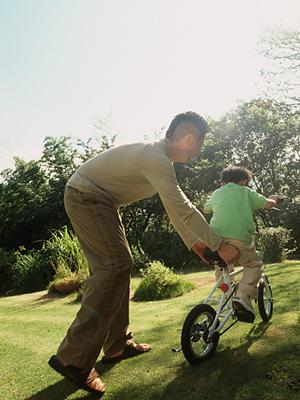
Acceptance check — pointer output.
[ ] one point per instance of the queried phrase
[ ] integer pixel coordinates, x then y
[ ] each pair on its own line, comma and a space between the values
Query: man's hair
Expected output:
191, 117
235, 174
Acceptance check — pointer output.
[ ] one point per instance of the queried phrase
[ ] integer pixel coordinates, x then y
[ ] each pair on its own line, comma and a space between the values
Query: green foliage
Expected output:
140, 259
23, 196
159, 282
32, 193
65, 255
264, 137
67, 281
60, 258
281, 47
7, 259
30, 272
272, 243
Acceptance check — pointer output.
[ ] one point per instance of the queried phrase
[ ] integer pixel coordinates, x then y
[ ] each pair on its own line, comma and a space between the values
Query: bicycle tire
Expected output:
265, 299
195, 334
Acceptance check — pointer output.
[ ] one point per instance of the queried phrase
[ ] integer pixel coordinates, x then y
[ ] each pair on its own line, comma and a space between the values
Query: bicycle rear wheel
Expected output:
196, 345
265, 299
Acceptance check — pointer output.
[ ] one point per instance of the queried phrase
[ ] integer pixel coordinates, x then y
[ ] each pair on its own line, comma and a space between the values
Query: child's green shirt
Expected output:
232, 206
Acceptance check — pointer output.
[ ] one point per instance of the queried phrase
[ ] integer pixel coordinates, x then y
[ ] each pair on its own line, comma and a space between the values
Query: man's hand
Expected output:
199, 248
228, 252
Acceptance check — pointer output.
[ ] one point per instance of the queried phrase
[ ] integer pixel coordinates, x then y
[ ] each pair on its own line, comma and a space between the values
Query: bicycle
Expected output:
204, 325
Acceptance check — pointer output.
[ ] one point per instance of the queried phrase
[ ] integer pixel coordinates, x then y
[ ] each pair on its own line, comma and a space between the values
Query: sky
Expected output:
64, 64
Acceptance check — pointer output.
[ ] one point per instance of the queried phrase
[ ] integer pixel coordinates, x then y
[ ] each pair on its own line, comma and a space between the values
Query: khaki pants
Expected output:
103, 318
251, 261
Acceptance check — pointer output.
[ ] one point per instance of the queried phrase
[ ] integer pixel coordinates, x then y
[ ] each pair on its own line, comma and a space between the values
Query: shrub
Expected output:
140, 259
60, 258
66, 285
68, 260
7, 259
63, 249
67, 281
159, 282
272, 242
30, 272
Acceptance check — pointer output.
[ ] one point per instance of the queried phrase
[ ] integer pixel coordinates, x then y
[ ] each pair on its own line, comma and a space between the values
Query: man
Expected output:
116, 177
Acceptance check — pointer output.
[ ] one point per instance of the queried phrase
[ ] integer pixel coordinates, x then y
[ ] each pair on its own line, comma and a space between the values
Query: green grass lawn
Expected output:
259, 361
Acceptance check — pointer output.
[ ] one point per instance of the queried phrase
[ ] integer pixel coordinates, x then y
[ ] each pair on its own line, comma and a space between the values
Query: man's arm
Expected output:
187, 220
226, 251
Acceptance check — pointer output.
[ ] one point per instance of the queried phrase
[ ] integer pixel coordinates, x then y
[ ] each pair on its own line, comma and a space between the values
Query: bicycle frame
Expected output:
228, 292
228, 288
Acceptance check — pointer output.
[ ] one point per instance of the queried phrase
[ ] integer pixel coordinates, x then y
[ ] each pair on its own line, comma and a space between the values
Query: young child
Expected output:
232, 206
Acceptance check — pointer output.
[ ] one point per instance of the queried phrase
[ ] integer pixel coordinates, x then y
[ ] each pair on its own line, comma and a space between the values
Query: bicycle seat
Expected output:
214, 259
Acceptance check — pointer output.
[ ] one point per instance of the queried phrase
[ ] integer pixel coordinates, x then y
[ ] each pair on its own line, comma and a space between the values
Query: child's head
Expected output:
236, 174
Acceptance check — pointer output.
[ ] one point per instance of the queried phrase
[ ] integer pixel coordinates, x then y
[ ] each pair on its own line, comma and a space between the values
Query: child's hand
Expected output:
272, 200
274, 197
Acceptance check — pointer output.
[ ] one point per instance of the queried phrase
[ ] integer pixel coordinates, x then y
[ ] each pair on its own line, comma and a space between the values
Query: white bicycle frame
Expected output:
228, 289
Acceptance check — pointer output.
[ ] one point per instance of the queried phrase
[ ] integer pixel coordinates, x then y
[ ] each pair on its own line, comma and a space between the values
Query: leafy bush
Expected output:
68, 260
272, 243
7, 259
67, 281
60, 258
30, 272
159, 282
64, 253
140, 259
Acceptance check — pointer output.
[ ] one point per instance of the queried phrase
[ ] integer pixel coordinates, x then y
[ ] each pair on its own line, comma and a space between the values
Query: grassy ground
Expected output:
258, 361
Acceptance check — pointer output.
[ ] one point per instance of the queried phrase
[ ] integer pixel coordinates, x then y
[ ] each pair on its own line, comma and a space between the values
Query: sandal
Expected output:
81, 378
131, 350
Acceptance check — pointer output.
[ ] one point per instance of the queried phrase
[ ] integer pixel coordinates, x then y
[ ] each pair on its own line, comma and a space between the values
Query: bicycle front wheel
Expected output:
265, 299
195, 343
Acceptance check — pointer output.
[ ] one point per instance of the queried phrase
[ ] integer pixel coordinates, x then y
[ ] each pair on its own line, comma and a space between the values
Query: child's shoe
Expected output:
243, 308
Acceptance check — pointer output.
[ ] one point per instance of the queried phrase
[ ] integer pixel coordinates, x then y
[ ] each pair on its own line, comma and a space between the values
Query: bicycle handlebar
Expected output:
214, 258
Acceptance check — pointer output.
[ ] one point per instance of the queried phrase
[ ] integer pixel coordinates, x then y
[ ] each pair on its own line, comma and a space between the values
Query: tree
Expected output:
265, 138
282, 48
23, 193
32, 194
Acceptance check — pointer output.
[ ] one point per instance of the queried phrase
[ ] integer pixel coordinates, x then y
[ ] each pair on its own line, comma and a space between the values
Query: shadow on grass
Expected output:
58, 391
232, 373
238, 374
62, 389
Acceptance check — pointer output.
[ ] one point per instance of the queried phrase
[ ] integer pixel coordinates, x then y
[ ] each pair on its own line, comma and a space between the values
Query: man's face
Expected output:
190, 147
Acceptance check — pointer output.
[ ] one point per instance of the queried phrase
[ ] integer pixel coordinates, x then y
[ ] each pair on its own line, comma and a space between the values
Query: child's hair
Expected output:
235, 174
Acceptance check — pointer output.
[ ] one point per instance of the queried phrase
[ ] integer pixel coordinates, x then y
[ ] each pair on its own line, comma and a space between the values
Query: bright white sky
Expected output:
66, 63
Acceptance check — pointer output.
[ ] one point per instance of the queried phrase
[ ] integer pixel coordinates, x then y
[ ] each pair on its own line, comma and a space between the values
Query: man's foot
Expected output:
243, 309
132, 349
88, 380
